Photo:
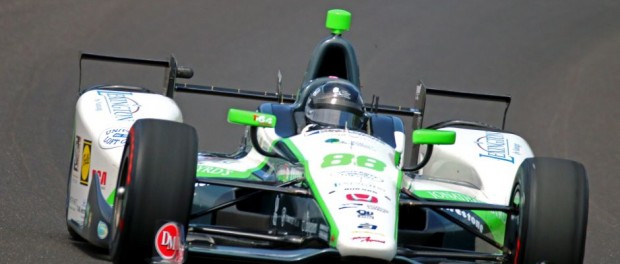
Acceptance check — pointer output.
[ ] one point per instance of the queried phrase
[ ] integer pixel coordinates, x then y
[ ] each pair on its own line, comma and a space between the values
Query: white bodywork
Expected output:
356, 181
102, 122
483, 162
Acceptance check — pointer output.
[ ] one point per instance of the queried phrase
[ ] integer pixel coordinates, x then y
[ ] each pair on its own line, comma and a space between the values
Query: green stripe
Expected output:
399, 183
330, 220
397, 156
495, 220
110, 199
227, 173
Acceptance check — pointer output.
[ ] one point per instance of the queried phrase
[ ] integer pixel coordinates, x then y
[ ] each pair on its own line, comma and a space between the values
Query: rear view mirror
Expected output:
249, 118
430, 137
254, 120
433, 137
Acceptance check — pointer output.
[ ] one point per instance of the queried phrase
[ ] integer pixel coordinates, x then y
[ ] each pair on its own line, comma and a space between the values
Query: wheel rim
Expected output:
513, 228
117, 214
120, 192
118, 209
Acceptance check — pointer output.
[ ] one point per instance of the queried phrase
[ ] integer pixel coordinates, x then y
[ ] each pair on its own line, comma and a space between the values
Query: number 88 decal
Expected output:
338, 159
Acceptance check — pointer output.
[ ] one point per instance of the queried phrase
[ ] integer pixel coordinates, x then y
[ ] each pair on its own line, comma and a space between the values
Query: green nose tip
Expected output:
338, 21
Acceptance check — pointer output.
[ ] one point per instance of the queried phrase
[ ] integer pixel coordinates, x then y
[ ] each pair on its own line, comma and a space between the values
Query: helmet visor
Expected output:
335, 118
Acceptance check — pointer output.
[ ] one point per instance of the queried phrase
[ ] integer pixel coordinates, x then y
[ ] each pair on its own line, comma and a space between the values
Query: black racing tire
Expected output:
552, 199
155, 186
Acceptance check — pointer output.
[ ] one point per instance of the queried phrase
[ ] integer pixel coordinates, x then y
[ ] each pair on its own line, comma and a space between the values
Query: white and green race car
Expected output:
139, 186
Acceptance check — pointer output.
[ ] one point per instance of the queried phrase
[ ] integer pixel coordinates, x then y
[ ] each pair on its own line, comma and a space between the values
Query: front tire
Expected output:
552, 200
155, 186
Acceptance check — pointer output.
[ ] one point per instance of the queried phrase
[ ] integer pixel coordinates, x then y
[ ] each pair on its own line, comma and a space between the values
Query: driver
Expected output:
335, 104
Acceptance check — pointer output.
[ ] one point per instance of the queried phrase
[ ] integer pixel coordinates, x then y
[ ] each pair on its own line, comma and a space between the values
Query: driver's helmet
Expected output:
337, 104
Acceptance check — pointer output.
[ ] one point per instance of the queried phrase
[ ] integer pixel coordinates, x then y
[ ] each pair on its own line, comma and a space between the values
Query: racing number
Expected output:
338, 159
368, 162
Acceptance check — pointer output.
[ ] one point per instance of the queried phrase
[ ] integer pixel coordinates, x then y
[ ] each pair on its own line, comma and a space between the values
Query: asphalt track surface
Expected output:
558, 59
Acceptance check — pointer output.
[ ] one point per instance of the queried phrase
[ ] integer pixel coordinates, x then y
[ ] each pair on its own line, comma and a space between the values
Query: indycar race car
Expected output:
297, 192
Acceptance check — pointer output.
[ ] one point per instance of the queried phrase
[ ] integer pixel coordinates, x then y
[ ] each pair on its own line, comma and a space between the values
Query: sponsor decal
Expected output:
367, 239
73, 204
350, 205
473, 219
102, 176
168, 241
81, 209
495, 146
76, 152
335, 130
219, 160
365, 214
87, 146
376, 208
451, 196
361, 144
360, 197
367, 226
204, 170
356, 189
362, 176
369, 207
483, 221
454, 196
120, 105
367, 233
98, 105
263, 120
102, 230
313, 132
516, 149
113, 138
332, 140
366, 185
360, 137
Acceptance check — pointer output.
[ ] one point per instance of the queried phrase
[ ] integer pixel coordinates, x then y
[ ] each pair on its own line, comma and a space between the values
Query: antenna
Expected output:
279, 88
374, 104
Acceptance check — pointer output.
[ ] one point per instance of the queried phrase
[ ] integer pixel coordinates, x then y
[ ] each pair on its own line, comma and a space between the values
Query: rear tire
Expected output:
552, 200
155, 186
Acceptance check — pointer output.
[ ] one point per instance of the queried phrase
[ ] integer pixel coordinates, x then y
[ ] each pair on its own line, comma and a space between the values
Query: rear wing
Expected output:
422, 91
174, 72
